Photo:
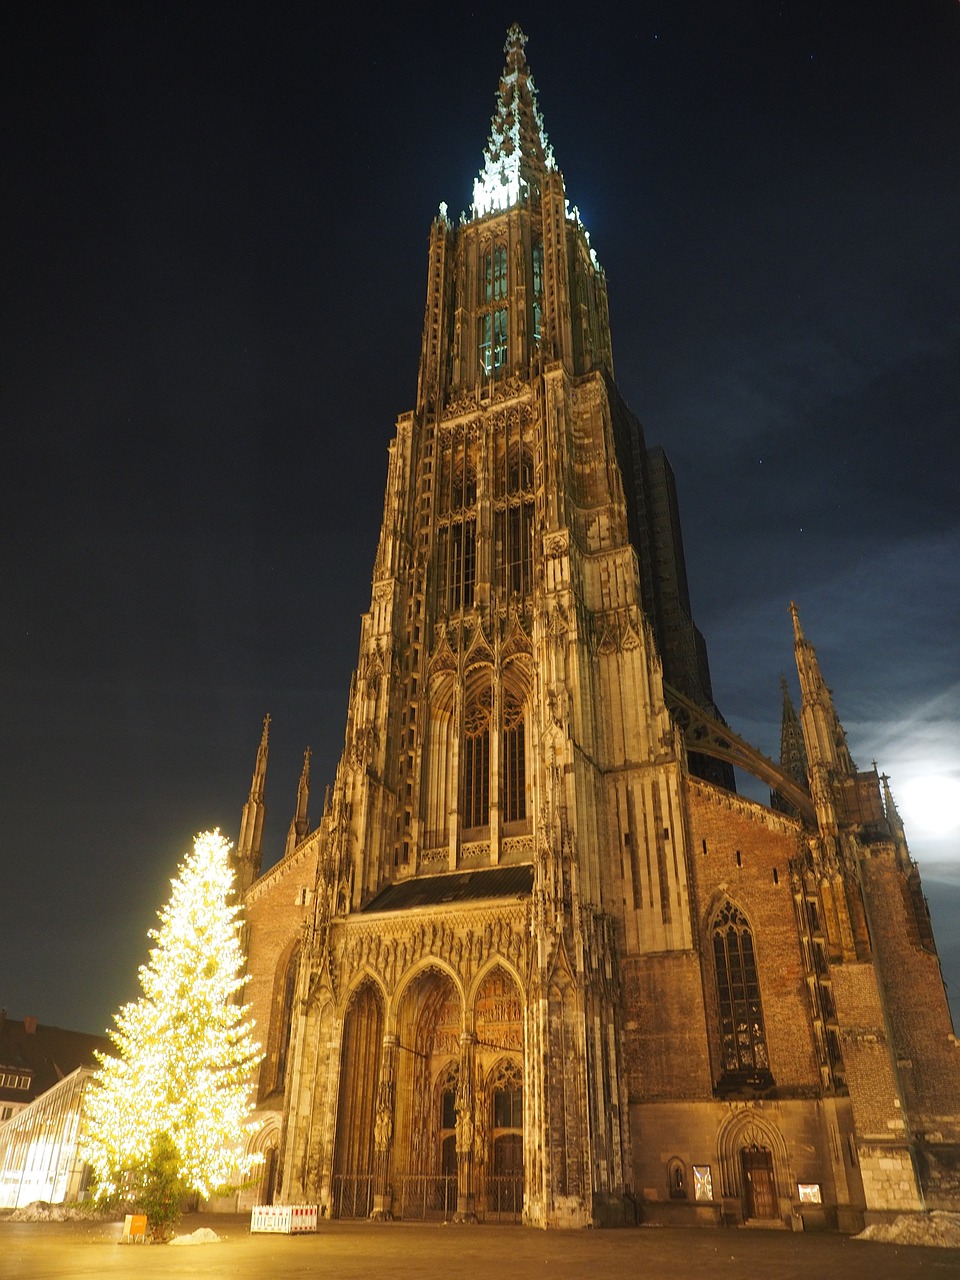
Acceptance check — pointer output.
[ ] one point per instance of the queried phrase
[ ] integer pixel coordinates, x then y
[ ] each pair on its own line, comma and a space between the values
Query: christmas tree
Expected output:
169, 1114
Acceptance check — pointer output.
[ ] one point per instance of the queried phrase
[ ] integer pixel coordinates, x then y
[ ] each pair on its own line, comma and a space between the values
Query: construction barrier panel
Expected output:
285, 1219
134, 1229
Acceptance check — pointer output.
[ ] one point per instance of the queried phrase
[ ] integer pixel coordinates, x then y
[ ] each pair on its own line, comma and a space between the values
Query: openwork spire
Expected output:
517, 153
247, 855
793, 754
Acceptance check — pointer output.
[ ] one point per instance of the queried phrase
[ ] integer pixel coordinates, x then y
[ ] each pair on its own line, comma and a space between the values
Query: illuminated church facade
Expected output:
538, 960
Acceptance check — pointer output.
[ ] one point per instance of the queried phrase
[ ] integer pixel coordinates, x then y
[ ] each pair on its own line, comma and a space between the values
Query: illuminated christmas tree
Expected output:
169, 1114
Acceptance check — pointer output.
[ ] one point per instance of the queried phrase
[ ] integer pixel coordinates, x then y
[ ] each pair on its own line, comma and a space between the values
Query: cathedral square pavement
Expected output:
71, 1251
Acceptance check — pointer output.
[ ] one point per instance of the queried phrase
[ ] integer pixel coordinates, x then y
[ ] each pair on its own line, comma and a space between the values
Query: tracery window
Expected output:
492, 330
475, 746
507, 1135
537, 290
494, 274
514, 796
476, 764
492, 321
457, 532
743, 1045
513, 520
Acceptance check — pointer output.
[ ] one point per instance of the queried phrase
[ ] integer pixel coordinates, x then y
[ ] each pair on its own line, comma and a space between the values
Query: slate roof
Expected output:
46, 1054
460, 886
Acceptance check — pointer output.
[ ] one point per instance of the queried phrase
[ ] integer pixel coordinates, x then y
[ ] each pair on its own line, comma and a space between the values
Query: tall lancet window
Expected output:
475, 751
492, 328
457, 529
492, 322
514, 794
513, 519
494, 274
537, 291
743, 1044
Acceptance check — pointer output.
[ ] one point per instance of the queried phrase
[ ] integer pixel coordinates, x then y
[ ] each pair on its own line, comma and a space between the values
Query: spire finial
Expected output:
249, 851
517, 154
300, 825
260, 768
797, 629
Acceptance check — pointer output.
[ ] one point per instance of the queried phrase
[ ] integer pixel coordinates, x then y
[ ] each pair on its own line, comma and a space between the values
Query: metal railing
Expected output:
424, 1197
352, 1195
503, 1198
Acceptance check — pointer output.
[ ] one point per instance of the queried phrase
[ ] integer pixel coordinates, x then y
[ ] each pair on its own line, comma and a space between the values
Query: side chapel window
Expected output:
743, 1045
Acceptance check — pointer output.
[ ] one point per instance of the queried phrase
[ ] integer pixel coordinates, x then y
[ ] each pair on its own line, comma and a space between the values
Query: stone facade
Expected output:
538, 960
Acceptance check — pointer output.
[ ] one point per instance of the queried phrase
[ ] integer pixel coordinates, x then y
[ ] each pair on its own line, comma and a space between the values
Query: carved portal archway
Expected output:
754, 1163
360, 1060
499, 1137
423, 1165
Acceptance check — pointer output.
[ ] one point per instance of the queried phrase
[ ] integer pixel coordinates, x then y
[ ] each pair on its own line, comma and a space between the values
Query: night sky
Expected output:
214, 231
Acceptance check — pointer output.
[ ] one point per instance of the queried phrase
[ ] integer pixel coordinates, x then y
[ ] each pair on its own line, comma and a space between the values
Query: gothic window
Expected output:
743, 1044
482, 777
457, 535
494, 274
514, 521
537, 291
492, 329
475, 747
492, 319
508, 1106
514, 798
485, 340
505, 1186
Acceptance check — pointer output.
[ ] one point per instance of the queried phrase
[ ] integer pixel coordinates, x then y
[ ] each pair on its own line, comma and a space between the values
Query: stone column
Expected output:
383, 1131
466, 1133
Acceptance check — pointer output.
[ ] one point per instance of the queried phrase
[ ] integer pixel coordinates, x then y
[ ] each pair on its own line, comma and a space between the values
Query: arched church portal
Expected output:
424, 1156
499, 1106
353, 1166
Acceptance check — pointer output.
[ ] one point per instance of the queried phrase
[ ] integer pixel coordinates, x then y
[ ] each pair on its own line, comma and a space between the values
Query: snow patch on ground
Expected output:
202, 1235
42, 1211
939, 1228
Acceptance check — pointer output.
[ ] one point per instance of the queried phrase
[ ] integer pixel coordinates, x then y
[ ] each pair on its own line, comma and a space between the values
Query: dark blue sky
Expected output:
215, 231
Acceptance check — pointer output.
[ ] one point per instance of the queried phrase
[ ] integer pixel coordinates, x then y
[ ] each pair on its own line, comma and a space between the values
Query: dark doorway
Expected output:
760, 1190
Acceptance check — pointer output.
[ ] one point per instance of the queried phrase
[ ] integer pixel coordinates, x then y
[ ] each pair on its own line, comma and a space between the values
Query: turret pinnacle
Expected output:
894, 821
793, 755
300, 826
517, 154
828, 757
249, 851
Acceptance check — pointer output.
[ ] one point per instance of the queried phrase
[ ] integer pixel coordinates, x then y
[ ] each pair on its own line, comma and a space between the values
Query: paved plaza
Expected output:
399, 1251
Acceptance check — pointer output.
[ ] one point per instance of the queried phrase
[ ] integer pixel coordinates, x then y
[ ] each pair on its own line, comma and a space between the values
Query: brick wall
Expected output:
664, 1029
742, 851
276, 907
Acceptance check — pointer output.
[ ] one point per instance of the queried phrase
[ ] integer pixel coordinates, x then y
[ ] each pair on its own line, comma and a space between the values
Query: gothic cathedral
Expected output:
539, 961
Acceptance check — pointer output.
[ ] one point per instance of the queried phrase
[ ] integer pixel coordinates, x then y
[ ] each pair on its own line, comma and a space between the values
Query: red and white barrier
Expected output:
284, 1219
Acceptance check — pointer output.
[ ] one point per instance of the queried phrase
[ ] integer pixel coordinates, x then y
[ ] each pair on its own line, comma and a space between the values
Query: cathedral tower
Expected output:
539, 960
